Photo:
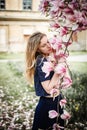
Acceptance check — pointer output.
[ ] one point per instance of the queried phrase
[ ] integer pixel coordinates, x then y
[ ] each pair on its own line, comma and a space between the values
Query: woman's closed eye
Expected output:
44, 45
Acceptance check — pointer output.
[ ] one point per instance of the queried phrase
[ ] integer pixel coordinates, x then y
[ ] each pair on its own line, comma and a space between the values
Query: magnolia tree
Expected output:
66, 17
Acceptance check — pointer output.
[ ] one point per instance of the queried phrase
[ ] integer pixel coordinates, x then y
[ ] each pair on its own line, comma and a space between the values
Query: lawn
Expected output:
12, 55
78, 67
22, 55
77, 53
12, 78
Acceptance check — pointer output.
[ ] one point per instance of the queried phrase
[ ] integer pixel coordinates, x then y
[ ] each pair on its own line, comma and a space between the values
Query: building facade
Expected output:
19, 19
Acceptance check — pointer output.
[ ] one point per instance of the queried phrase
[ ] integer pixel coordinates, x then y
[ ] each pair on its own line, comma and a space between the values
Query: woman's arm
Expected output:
48, 85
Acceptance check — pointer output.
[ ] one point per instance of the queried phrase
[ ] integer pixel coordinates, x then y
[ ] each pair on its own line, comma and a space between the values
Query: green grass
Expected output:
12, 55
12, 79
77, 53
4, 55
78, 66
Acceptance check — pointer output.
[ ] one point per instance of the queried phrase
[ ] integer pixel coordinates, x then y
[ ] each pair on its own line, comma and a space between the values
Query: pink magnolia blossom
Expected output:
54, 25
63, 31
74, 4
58, 3
78, 15
43, 7
60, 56
54, 92
60, 69
75, 27
65, 115
56, 43
63, 103
67, 82
75, 11
52, 114
67, 43
47, 68
68, 10
57, 127
71, 18
55, 10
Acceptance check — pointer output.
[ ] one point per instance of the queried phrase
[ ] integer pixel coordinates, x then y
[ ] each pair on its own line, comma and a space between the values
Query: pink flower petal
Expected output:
63, 102
65, 115
52, 114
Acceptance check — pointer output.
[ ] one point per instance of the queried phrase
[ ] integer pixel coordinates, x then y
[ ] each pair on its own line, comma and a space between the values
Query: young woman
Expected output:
38, 48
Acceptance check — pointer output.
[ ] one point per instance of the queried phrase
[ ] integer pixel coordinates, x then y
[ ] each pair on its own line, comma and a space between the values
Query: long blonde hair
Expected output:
32, 53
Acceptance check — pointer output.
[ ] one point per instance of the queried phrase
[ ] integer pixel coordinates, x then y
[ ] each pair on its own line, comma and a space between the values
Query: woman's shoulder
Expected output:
40, 60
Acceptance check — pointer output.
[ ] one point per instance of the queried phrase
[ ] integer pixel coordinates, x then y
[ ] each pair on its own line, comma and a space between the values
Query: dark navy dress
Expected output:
41, 119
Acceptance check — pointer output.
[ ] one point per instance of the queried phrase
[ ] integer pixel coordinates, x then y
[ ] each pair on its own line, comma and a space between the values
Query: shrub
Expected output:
77, 98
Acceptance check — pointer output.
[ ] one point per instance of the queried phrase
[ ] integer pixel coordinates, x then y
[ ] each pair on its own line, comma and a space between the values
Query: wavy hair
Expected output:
32, 53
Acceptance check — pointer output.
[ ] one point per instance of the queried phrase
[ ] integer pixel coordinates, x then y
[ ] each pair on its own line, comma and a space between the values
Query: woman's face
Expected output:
44, 47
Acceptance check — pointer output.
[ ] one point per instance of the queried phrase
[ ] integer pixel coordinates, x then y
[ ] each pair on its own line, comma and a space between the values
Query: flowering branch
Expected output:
67, 17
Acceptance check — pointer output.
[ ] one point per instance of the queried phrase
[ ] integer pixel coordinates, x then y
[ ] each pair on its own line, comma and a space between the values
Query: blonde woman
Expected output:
38, 48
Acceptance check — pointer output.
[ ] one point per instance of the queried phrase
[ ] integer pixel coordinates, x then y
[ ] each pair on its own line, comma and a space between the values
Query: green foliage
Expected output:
77, 97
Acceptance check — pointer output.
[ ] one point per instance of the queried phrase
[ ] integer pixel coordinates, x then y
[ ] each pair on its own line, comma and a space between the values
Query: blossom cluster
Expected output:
56, 62
66, 17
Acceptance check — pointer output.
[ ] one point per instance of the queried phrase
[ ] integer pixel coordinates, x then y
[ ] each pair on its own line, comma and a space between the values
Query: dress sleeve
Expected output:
41, 74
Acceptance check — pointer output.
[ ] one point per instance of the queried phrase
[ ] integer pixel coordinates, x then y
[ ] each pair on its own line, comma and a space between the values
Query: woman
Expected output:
38, 48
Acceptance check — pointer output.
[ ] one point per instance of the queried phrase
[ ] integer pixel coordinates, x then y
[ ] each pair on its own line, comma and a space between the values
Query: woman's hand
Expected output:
52, 59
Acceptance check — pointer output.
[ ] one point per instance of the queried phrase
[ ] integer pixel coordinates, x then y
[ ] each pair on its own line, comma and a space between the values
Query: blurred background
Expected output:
18, 20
